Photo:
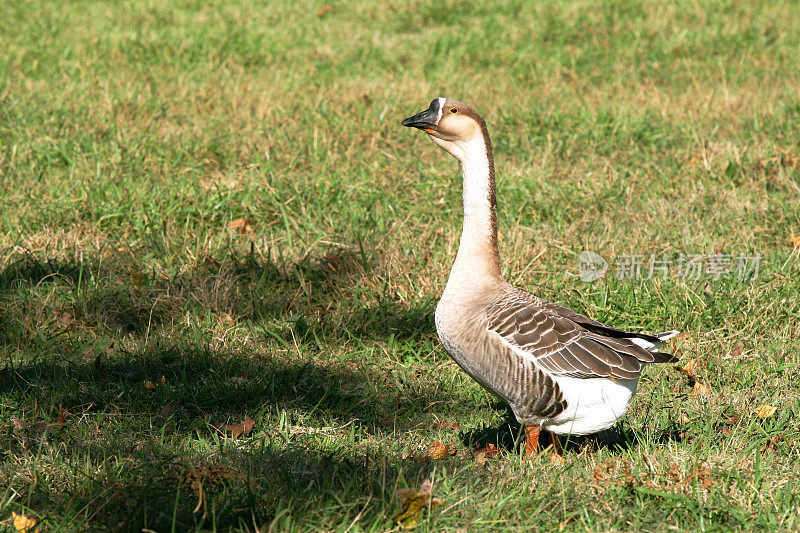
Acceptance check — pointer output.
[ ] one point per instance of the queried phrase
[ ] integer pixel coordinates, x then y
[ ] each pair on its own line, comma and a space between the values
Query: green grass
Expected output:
132, 133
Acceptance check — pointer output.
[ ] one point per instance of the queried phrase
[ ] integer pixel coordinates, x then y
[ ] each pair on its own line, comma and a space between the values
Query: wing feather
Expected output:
563, 342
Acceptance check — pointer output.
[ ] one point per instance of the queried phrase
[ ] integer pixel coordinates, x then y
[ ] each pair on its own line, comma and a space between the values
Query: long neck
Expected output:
478, 258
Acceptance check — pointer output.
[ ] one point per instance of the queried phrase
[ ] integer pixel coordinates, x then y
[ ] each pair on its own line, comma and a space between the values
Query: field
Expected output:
221, 255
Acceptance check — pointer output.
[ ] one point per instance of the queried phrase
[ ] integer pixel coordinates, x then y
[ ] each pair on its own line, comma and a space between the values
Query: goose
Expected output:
557, 369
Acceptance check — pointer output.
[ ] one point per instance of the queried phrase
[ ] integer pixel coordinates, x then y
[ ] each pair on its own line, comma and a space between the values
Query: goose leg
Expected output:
531, 439
557, 455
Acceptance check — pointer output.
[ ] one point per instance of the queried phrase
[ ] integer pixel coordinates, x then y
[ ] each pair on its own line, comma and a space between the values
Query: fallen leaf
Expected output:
556, 459
737, 349
730, 421
701, 475
795, 240
490, 450
482, 455
771, 443
325, 10
149, 385
765, 411
611, 471
237, 430
675, 472
701, 389
68, 320
439, 451
444, 424
24, 523
689, 368
480, 458
413, 502
240, 225
62, 417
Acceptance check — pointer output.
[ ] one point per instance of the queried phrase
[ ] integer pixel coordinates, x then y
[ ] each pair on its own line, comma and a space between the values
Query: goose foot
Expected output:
531, 439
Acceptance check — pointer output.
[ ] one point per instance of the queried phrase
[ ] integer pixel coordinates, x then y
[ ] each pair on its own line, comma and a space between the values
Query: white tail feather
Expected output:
654, 346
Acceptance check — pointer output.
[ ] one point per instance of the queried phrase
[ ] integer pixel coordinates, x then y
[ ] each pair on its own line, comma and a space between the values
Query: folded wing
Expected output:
563, 342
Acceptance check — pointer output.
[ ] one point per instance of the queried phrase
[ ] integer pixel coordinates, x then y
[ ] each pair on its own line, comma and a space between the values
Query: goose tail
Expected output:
653, 346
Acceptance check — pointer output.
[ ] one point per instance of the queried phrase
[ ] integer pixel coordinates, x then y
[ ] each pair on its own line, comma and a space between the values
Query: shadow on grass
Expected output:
143, 416
142, 477
117, 294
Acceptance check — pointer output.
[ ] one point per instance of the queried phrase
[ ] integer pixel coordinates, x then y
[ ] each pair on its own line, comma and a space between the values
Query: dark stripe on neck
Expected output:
492, 189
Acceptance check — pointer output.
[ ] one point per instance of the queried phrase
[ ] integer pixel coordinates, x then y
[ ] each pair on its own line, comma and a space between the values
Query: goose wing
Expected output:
563, 342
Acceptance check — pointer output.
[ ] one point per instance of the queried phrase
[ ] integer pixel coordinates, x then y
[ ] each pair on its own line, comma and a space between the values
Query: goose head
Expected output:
454, 126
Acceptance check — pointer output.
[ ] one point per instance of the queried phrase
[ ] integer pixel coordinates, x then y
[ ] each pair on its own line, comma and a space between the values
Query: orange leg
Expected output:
531, 439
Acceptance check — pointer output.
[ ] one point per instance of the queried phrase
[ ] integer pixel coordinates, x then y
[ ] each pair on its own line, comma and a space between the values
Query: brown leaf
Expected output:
151, 386
68, 320
62, 417
795, 240
239, 429
240, 225
771, 443
689, 368
490, 450
325, 10
413, 502
24, 523
480, 457
702, 476
444, 424
675, 473
611, 471
701, 389
733, 419
439, 451
737, 349
765, 411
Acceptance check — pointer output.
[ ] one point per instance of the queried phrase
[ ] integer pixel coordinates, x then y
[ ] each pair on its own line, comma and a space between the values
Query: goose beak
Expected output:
427, 120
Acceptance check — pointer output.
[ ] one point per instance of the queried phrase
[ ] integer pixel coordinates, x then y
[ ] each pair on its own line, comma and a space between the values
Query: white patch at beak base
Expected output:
442, 100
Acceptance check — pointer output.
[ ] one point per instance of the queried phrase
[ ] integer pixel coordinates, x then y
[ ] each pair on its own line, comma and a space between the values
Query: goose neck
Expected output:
478, 257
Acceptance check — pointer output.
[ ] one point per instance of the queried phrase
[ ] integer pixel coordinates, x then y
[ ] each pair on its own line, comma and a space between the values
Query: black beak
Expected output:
425, 120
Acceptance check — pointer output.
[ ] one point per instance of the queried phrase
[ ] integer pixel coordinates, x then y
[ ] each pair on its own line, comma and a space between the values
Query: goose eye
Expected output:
453, 110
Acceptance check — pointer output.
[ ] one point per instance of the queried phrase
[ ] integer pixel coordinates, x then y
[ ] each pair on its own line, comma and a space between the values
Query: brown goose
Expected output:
557, 369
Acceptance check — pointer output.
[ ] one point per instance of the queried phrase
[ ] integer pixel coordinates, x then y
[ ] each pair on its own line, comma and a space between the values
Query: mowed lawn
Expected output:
210, 215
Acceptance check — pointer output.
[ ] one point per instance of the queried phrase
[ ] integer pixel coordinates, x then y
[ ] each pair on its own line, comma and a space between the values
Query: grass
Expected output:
134, 322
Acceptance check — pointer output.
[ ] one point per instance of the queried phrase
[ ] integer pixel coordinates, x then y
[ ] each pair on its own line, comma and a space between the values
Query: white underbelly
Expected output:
592, 404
